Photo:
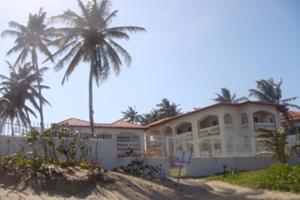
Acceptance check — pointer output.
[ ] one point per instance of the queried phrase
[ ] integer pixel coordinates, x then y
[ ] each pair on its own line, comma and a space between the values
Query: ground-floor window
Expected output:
205, 148
217, 146
129, 145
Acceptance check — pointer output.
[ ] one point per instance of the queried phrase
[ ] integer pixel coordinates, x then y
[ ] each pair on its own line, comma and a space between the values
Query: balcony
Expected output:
212, 130
184, 136
265, 125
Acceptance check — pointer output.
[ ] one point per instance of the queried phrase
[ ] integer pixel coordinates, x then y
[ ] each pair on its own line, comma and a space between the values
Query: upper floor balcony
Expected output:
208, 126
264, 120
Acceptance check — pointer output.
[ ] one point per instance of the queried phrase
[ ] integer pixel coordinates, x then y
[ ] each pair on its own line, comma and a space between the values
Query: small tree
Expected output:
276, 141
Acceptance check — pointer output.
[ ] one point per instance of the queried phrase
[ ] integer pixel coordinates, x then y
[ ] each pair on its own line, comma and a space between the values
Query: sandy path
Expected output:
131, 188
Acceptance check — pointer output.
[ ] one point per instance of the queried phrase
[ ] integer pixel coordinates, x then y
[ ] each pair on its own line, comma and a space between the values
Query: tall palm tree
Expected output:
168, 109
131, 115
88, 37
227, 97
31, 39
269, 91
18, 90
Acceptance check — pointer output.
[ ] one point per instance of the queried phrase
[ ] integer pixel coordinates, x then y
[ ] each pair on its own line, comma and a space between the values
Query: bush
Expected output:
141, 169
280, 177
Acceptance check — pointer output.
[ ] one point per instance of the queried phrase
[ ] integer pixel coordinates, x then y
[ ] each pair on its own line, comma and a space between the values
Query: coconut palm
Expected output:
269, 91
277, 143
89, 37
168, 109
131, 115
227, 97
18, 90
31, 39
153, 116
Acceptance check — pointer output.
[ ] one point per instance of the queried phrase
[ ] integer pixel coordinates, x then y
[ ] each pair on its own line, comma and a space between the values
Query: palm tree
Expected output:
168, 109
153, 116
31, 40
227, 97
131, 115
88, 37
269, 91
19, 89
277, 143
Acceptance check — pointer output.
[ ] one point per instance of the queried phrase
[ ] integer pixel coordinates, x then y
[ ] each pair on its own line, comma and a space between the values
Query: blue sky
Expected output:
191, 49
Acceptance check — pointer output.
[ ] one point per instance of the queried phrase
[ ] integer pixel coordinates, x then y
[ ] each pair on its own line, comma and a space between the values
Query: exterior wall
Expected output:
211, 166
237, 131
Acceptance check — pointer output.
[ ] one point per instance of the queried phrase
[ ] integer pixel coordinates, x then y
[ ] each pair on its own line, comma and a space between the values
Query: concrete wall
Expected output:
107, 156
210, 166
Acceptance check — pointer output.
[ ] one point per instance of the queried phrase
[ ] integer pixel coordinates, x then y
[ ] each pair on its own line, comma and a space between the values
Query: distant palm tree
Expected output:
31, 39
153, 116
269, 91
168, 109
131, 115
227, 97
18, 90
89, 38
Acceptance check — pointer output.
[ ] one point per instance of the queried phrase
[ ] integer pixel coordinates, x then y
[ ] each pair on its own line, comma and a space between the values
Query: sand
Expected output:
118, 186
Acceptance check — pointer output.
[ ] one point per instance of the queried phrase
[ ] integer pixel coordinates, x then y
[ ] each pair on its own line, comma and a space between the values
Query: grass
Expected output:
278, 177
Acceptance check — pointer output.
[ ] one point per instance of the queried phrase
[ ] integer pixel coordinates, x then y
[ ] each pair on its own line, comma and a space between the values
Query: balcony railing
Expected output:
264, 125
184, 136
209, 131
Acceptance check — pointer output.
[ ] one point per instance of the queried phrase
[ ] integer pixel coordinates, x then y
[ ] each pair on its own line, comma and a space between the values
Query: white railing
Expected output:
209, 131
229, 126
265, 125
246, 125
184, 136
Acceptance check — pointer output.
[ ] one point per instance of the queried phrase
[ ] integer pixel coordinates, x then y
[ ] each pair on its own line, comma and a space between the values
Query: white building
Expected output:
219, 130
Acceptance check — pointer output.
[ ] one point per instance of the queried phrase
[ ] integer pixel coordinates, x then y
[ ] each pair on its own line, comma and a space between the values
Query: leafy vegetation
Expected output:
140, 169
277, 177
276, 141
19, 89
89, 37
162, 110
31, 40
227, 97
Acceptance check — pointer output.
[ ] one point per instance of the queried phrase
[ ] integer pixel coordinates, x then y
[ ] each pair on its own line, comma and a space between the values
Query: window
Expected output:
128, 144
205, 148
228, 119
215, 122
217, 146
244, 118
229, 145
104, 136
256, 119
247, 144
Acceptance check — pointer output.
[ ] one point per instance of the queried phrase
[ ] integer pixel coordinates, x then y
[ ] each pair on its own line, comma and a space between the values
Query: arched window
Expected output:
228, 119
244, 118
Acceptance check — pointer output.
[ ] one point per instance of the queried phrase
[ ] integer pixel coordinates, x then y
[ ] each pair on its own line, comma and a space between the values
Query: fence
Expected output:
17, 129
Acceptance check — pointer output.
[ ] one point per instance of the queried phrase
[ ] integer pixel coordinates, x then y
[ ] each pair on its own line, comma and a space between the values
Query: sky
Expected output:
191, 49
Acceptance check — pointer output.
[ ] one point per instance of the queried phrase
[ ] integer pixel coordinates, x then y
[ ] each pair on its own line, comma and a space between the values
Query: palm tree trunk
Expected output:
91, 111
36, 66
12, 127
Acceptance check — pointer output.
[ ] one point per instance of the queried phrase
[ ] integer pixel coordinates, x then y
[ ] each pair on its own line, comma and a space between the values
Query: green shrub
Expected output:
280, 177
84, 165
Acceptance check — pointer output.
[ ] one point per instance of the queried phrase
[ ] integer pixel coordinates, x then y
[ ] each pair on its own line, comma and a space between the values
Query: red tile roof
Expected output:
293, 114
124, 124
118, 124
